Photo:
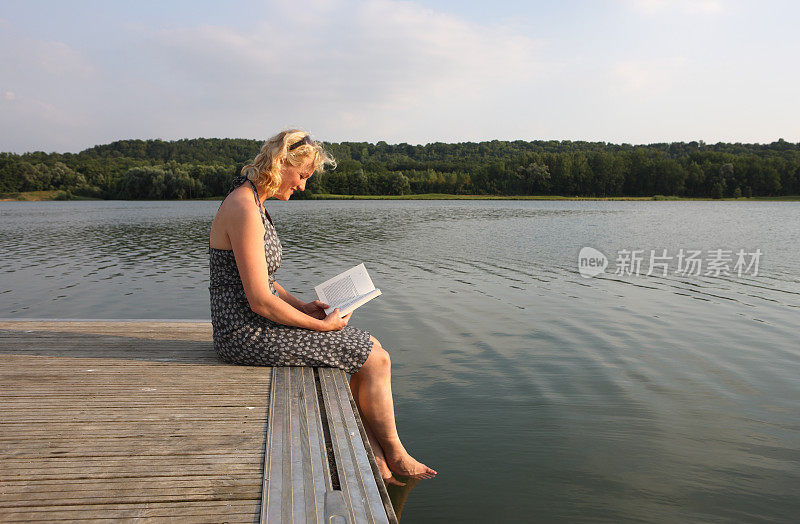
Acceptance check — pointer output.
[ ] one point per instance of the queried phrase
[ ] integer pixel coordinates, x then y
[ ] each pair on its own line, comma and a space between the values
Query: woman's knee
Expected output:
379, 357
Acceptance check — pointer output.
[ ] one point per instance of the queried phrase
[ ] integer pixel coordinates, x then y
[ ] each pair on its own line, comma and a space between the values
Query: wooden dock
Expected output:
128, 420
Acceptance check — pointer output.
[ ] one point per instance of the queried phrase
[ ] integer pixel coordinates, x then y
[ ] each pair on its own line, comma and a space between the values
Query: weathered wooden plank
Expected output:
173, 330
93, 472
122, 417
139, 419
117, 482
119, 430
210, 510
187, 519
107, 472
188, 459
172, 348
124, 421
144, 452
135, 489
135, 516
132, 495
160, 506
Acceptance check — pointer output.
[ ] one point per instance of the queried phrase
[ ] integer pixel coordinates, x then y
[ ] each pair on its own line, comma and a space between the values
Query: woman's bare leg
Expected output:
377, 450
375, 401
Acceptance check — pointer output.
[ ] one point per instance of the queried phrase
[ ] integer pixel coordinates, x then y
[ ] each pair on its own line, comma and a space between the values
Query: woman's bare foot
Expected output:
404, 464
386, 473
380, 459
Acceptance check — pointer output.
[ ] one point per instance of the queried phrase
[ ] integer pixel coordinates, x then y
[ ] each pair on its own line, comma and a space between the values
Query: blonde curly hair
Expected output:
265, 170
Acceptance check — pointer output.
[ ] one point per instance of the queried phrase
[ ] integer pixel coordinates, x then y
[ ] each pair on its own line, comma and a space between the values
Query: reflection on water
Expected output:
536, 394
399, 494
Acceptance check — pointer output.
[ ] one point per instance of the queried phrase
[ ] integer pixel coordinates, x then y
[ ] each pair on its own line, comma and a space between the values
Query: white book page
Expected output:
354, 303
345, 289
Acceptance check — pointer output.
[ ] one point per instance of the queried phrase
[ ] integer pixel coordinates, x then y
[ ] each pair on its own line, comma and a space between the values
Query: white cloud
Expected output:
654, 76
23, 56
350, 70
33, 124
48, 80
57, 59
34, 109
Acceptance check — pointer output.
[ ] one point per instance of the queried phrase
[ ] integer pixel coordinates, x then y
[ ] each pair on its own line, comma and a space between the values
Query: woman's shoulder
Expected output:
237, 216
239, 201
237, 210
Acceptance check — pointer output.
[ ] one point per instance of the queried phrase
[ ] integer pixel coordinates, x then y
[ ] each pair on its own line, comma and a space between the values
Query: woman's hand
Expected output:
334, 322
314, 309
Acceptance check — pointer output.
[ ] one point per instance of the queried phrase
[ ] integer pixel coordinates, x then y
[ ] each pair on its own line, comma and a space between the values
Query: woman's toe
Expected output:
393, 481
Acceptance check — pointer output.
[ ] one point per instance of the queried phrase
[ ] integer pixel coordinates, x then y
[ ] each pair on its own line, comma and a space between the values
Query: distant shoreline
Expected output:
45, 196
440, 196
41, 196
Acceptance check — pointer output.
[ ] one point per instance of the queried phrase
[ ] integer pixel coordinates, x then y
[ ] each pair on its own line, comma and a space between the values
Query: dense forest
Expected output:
200, 168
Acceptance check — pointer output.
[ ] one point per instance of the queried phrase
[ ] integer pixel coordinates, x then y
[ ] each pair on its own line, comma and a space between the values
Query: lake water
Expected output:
537, 394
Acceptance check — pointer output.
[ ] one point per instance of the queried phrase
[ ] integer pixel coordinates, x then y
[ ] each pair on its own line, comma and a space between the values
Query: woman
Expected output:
257, 322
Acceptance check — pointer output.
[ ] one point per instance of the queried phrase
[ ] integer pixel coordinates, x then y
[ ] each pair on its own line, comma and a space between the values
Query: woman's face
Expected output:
293, 178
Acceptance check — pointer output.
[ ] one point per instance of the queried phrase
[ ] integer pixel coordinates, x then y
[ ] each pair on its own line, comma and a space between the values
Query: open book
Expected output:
347, 291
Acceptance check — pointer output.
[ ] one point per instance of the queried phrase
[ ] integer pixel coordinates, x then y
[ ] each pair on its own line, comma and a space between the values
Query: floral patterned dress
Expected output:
242, 336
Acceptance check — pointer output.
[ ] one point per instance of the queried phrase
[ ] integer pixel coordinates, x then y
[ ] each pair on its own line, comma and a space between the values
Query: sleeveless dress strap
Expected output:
255, 193
259, 204
236, 182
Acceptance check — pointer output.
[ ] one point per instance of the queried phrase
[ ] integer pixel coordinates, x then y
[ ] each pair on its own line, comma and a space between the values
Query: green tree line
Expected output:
200, 168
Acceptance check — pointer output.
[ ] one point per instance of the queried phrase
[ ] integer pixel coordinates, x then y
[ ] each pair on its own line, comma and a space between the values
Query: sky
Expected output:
74, 74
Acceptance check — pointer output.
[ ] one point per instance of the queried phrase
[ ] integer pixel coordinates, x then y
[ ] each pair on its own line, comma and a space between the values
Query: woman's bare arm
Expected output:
288, 297
315, 308
247, 240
